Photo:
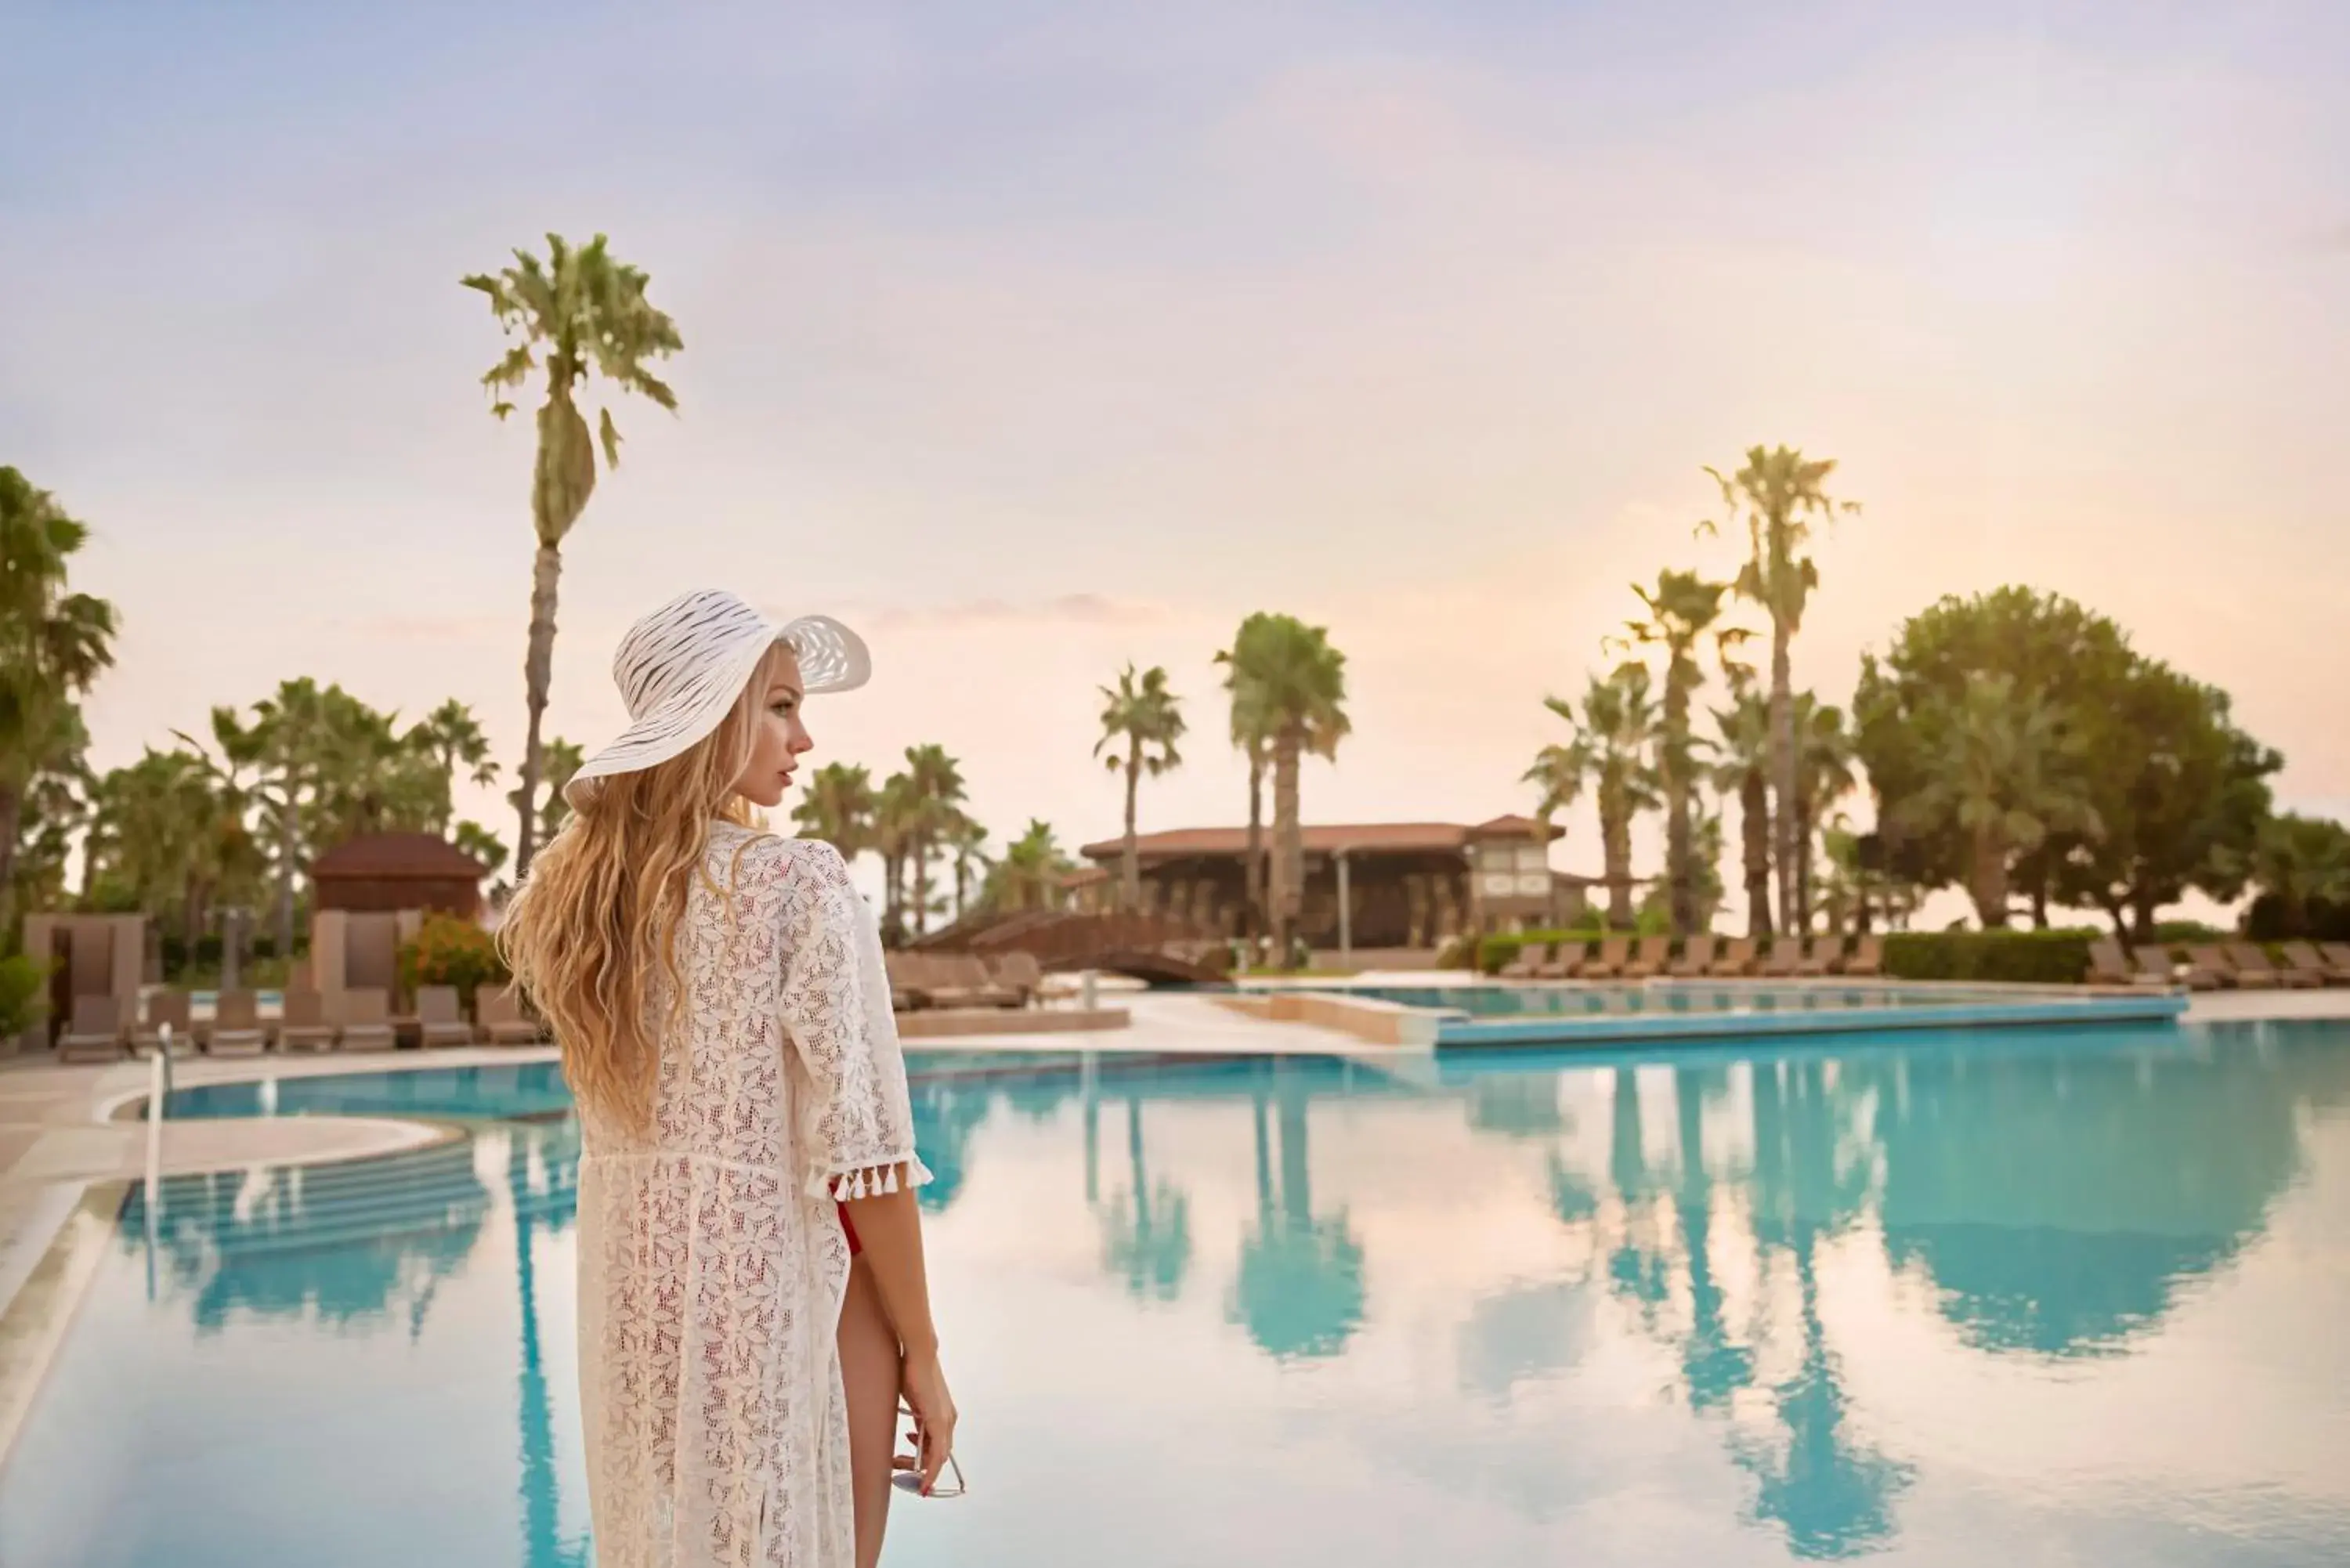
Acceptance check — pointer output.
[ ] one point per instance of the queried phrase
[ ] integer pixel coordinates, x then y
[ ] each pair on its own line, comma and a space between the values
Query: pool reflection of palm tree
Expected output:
1713, 1367
1147, 1228
1300, 1292
1639, 1267
1828, 1488
542, 1543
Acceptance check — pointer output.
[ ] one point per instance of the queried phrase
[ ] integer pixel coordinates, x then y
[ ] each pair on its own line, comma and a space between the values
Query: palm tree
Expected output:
1780, 496
53, 646
1682, 609
453, 736
480, 844
1141, 720
837, 806
1742, 767
2301, 860
1252, 738
559, 760
1297, 683
935, 790
284, 744
966, 841
1028, 875
1607, 754
1823, 775
2001, 778
896, 813
579, 314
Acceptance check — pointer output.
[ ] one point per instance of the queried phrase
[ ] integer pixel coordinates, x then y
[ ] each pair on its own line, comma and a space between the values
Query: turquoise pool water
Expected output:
2018, 1297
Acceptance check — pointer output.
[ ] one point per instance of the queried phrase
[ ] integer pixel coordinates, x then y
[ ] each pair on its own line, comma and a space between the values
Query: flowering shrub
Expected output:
451, 951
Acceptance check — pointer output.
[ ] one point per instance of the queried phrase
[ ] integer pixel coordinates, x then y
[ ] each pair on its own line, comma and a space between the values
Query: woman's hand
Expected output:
923, 1383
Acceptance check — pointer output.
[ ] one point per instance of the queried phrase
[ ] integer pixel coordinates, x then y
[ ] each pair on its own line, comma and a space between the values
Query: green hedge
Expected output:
24, 993
2036, 958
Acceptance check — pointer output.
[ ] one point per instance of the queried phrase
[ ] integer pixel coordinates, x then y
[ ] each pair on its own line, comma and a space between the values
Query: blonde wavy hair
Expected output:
601, 908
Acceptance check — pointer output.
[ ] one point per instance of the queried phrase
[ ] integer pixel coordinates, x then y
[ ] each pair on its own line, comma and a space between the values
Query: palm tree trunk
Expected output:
289, 826
12, 821
1288, 894
1989, 882
1783, 768
1253, 872
539, 674
920, 855
1802, 865
1130, 858
1754, 837
1616, 853
1680, 894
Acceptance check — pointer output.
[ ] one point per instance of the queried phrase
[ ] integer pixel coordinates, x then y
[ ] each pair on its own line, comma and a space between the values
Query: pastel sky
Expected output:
1036, 339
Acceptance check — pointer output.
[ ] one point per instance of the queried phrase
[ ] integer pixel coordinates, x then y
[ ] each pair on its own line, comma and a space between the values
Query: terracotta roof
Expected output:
1392, 837
420, 856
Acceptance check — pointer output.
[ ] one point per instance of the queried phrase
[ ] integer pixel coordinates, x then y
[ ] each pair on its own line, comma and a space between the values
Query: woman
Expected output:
753, 1302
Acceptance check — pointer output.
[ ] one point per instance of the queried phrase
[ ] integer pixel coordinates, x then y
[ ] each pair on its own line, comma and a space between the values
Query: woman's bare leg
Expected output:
869, 1371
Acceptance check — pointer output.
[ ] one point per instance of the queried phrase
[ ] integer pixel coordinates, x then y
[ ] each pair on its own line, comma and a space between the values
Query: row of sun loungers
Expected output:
928, 980
2213, 966
359, 1019
1701, 958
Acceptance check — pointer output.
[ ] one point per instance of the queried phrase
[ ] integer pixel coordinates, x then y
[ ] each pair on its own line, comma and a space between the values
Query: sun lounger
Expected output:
502, 1019
1565, 958
1018, 973
2214, 962
1524, 964
93, 1031
2253, 968
2337, 954
236, 1029
1608, 962
959, 980
1778, 962
1645, 959
2190, 972
2250, 958
1815, 963
1866, 959
304, 1024
906, 990
1738, 960
1696, 960
440, 1015
2306, 958
366, 1017
2152, 966
2109, 965
165, 1007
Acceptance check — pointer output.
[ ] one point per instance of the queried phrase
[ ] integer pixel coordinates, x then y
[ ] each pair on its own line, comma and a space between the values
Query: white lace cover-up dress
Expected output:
711, 1259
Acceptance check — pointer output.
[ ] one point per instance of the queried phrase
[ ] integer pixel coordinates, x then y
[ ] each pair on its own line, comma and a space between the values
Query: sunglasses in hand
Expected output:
910, 1480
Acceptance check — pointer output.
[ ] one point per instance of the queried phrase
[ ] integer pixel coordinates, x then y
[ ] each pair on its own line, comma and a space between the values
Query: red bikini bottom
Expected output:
849, 1229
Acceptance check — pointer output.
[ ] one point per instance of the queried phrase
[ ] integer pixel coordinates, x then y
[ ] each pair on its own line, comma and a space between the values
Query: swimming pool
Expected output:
1475, 1016
2024, 1296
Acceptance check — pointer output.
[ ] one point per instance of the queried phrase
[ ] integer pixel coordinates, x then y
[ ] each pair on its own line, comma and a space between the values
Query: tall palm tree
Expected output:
896, 822
1823, 775
837, 806
2003, 779
285, 743
1779, 496
1028, 875
53, 644
1609, 754
1141, 720
1683, 609
1297, 683
1742, 767
1252, 734
579, 314
453, 736
935, 789
966, 842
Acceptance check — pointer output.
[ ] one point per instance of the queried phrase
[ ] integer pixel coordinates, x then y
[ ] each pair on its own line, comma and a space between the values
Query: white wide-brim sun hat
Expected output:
681, 668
